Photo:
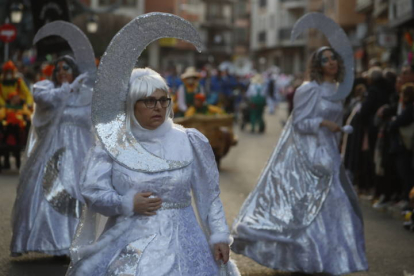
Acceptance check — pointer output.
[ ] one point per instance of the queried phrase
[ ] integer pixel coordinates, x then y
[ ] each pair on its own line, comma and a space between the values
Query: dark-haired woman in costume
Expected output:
46, 211
303, 216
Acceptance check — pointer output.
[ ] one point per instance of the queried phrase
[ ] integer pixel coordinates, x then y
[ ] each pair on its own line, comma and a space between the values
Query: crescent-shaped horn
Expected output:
338, 40
77, 40
111, 88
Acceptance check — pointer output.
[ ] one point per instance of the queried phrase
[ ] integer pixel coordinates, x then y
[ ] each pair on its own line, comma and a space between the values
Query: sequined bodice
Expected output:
171, 186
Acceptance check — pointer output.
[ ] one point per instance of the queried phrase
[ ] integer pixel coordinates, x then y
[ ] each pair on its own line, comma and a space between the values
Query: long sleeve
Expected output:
97, 189
47, 96
305, 101
206, 191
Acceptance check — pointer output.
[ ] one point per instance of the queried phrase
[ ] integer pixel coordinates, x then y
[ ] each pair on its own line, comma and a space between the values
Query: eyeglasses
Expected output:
152, 102
325, 60
64, 67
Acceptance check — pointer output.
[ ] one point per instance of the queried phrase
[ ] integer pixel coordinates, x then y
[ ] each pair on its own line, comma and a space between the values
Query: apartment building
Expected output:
271, 25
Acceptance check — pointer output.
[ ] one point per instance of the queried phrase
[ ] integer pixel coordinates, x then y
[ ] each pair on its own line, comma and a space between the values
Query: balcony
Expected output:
221, 49
363, 6
220, 22
284, 38
294, 4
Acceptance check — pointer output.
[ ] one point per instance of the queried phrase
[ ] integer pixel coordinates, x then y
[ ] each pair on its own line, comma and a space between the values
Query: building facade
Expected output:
271, 25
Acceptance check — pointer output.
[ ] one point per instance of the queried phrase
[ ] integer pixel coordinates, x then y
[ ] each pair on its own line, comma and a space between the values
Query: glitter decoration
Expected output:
54, 191
338, 40
77, 40
126, 263
111, 88
174, 205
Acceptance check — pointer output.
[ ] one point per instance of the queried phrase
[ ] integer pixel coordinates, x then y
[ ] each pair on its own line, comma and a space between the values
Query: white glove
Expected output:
77, 83
347, 129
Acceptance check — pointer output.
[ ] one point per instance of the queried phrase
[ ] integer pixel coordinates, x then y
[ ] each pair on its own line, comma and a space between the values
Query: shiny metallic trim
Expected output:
174, 205
126, 263
53, 190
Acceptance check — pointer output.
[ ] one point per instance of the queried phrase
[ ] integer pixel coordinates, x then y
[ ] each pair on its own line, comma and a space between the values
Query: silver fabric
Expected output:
179, 240
77, 40
126, 263
60, 121
303, 214
109, 100
338, 40
174, 205
54, 190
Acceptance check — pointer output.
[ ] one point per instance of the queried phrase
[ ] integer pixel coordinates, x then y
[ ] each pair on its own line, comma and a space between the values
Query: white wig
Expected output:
143, 83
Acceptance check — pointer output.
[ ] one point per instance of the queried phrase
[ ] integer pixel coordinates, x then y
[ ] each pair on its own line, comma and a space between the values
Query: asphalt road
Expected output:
390, 248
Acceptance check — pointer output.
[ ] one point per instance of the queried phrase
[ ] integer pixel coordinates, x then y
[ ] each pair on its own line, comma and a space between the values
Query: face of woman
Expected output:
151, 116
64, 72
329, 64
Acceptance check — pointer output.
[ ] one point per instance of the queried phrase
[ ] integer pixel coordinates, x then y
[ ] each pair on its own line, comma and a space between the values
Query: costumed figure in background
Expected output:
303, 216
46, 71
143, 171
272, 89
14, 118
200, 106
190, 87
256, 94
11, 82
47, 207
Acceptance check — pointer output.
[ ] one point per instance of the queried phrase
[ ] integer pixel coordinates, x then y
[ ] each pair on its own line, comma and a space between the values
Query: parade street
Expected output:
390, 248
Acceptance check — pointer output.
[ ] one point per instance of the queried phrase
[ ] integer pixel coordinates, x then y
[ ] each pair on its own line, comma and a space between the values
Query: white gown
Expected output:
170, 242
46, 211
303, 215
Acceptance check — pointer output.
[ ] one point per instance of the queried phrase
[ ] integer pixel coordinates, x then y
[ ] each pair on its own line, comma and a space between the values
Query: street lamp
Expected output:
92, 24
16, 13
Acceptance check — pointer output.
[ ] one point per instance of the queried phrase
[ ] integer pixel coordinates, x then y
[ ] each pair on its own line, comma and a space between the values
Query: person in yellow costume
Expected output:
10, 82
201, 107
14, 118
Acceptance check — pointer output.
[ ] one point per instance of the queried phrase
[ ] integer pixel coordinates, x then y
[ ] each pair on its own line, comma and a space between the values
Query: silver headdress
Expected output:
77, 40
111, 88
339, 42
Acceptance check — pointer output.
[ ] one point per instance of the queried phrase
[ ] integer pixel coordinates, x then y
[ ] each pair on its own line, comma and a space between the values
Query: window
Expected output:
241, 35
262, 37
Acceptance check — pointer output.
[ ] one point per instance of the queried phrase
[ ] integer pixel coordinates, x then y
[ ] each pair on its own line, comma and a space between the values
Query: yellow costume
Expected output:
8, 86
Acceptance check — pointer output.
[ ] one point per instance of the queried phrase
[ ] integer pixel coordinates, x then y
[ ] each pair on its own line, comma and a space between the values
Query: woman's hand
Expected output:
76, 84
222, 252
332, 126
143, 205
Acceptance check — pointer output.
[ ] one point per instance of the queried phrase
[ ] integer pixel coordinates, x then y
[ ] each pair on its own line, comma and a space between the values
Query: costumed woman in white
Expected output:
142, 172
47, 207
303, 216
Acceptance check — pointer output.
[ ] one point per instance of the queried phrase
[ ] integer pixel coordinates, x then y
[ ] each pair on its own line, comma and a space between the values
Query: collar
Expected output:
147, 135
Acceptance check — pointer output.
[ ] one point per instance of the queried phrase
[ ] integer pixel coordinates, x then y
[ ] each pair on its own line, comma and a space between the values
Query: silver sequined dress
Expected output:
170, 242
46, 211
303, 214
